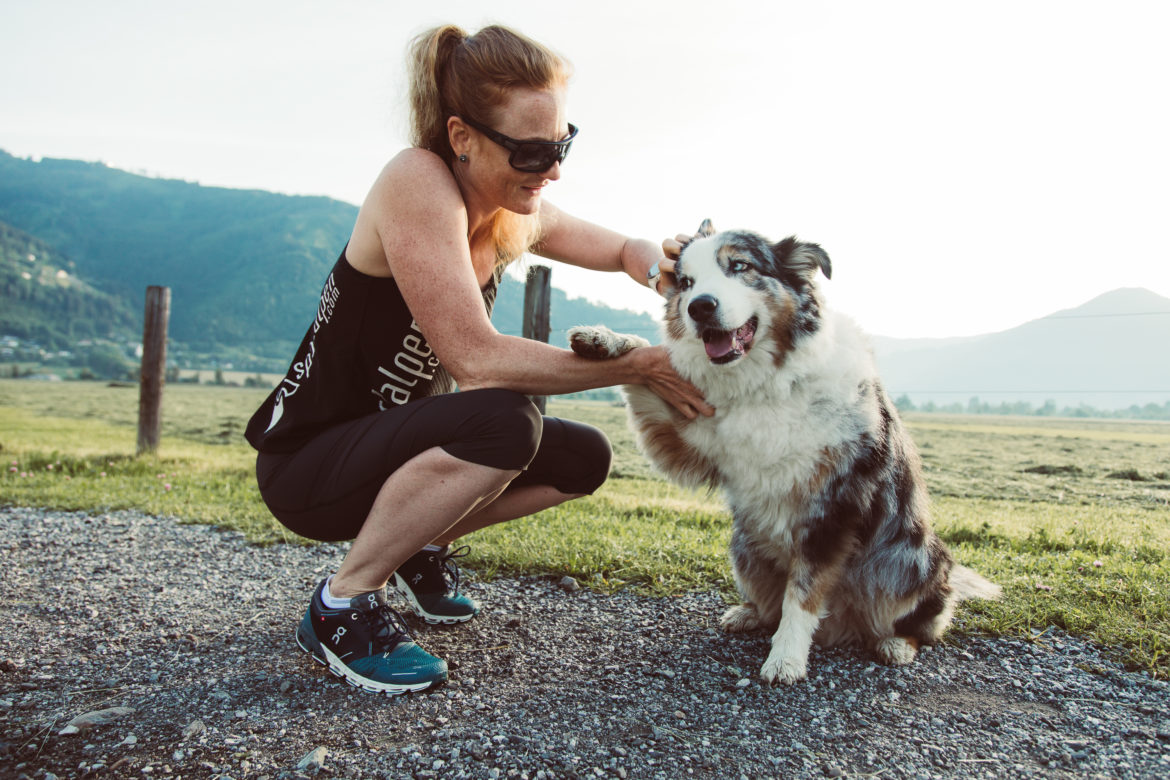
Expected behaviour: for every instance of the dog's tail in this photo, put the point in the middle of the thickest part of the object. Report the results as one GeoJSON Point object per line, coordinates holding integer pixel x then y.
{"type": "Point", "coordinates": [967, 584]}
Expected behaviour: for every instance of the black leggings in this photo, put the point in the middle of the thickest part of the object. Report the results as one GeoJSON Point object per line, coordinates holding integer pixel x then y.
{"type": "Point", "coordinates": [325, 489]}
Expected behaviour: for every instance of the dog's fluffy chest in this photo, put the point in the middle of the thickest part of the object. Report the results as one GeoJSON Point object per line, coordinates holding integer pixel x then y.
{"type": "Point", "coordinates": [773, 447]}
{"type": "Point", "coordinates": [769, 454]}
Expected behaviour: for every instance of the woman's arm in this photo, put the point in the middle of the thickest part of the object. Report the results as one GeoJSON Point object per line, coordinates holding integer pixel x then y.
{"type": "Point", "coordinates": [422, 225]}
{"type": "Point", "coordinates": [577, 242]}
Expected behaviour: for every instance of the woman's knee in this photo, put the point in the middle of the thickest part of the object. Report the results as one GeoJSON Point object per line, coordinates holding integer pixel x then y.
{"type": "Point", "coordinates": [596, 458]}
{"type": "Point", "coordinates": [502, 431]}
{"type": "Point", "coordinates": [574, 458]}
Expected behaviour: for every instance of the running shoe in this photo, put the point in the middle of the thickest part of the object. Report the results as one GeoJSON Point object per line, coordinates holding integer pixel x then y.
{"type": "Point", "coordinates": [368, 645]}
{"type": "Point", "coordinates": [429, 580]}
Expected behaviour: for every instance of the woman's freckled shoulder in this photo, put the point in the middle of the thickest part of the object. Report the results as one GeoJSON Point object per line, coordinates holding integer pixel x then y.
{"type": "Point", "coordinates": [411, 173]}
{"type": "Point", "coordinates": [415, 168]}
{"type": "Point", "coordinates": [416, 161]}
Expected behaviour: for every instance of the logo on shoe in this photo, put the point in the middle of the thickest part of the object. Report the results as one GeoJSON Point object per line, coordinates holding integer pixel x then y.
{"type": "Point", "coordinates": [338, 634]}
{"type": "Point", "coordinates": [416, 579]}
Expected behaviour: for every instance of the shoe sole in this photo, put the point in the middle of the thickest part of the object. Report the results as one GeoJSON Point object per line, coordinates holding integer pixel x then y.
{"type": "Point", "coordinates": [416, 608]}
{"type": "Point", "coordinates": [339, 669]}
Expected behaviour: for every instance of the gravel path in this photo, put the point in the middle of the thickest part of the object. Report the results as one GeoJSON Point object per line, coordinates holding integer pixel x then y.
{"type": "Point", "coordinates": [190, 631]}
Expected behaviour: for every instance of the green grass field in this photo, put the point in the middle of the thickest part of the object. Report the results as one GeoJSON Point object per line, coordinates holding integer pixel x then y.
{"type": "Point", "coordinates": [1072, 517]}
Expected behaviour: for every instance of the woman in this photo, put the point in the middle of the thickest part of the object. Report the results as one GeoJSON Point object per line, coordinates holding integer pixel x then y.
{"type": "Point", "coordinates": [364, 439]}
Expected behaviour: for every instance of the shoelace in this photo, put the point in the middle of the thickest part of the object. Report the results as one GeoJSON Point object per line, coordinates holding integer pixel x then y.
{"type": "Point", "coordinates": [450, 570]}
{"type": "Point", "coordinates": [389, 629]}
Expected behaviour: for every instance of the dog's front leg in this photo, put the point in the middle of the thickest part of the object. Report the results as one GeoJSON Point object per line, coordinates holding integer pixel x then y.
{"type": "Point", "coordinates": [759, 577]}
{"type": "Point", "coordinates": [805, 595]}
{"type": "Point", "coordinates": [788, 661]}
{"type": "Point", "coordinates": [598, 342]}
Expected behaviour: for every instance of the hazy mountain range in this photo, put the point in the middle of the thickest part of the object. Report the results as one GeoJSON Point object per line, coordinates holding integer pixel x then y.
{"type": "Point", "coordinates": [79, 243]}
{"type": "Point", "coordinates": [1110, 352]}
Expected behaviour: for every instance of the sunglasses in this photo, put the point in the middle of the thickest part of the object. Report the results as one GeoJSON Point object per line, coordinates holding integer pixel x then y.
{"type": "Point", "coordinates": [529, 156]}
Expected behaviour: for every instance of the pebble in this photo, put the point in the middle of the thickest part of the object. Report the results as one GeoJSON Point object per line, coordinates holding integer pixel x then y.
{"type": "Point", "coordinates": [88, 720]}
{"type": "Point", "coordinates": [613, 685]}
{"type": "Point", "coordinates": [193, 729]}
{"type": "Point", "coordinates": [314, 760]}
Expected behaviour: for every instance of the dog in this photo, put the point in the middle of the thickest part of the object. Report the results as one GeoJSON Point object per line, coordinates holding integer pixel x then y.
{"type": "Point", "coordinates": [831, 537]}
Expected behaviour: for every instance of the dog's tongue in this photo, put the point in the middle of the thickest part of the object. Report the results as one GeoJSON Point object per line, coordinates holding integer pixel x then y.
{"type": "Point", "coordinates": [721, 343]}
{"type": "Point", "coordinates": [718, 342]}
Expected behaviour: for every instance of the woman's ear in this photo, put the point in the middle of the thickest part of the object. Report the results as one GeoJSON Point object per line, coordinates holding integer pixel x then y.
{"type": "Point", "coordinates": [458, 135]}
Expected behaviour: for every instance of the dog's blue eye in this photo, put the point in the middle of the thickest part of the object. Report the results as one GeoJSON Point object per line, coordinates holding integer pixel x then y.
{"type": "Point", "coordinates": [683, 282]}
{"type": "Point", "coordinates": [738, 266]}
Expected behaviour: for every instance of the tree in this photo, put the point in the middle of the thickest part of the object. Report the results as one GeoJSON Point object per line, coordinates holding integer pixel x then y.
{"type": "Point", "coordinates": [107, 362]}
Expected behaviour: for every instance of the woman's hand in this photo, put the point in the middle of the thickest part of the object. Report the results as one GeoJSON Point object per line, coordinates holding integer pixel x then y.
{"type": "Point", "coordinates": [659, 376]}
{"type": "Point", "coordinates": [672, 248]}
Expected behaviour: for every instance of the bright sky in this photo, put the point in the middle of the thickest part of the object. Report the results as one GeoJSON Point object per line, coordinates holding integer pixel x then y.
{"type": "Point", "coordinates": [967, 166]}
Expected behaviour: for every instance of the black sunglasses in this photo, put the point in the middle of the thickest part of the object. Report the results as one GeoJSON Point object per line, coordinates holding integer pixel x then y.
{"type": "Point", "coordinates": [529, 156]}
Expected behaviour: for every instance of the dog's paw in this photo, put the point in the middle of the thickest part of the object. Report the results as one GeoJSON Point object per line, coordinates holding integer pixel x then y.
{"type": "Point", "coordinates": [897, 650]}
{"type": "Point", "coordinates": [598, 342]}
{"type": "Point", "coordinates": [787, 671]}
{"type": "Point", "coordinates": [740, 618]}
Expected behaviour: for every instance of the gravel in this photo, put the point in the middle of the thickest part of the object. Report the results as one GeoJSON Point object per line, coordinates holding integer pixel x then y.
{"type": "Point", "coordinates": [189, 631]}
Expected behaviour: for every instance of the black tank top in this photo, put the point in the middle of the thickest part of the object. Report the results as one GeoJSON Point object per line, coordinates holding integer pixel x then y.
{"type": "Point", "coordinates": [363, 353]}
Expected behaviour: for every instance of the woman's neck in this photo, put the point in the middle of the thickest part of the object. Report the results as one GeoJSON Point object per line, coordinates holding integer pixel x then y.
{"type": "Point", "coordinates": [479, 215]}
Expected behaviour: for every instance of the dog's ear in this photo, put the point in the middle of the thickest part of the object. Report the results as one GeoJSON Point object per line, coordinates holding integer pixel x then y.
{"type": "Point", "coordinates": [706, 230]}
{"type": "Point", "coordinates": [803, 257]}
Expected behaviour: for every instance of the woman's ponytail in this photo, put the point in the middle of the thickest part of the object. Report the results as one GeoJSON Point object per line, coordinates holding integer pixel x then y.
{"type": "Point", "coordinates": [430, 65]}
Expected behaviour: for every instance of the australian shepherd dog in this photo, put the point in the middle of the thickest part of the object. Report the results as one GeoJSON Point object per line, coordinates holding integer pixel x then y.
{"type": "Point", "coordinates": [831, 539]}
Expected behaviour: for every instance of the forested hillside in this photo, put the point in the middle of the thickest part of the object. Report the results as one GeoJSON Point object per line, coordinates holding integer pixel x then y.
{"type": "Point", "coordinates": [46, 302]}
{"type": "Point", "coordinates": [243, 266]}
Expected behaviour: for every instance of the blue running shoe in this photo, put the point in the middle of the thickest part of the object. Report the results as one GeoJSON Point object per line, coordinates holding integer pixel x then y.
{"type": "Point", "coordinates": [368, 645]}
{"type": "Point", "coordinates": [429, 580]}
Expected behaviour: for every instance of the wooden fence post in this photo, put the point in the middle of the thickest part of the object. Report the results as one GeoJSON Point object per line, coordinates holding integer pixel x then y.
{"type": "Point", "coordinates": [154, 367]}
{"type": "Point", "coordinates": [536, 309]}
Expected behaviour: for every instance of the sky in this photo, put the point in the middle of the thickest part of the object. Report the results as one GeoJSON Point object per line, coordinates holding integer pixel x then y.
{"type": "Point", "coordinates": [967, 166]}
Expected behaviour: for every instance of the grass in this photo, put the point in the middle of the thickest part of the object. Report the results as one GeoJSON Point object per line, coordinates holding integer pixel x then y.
{"type": "Point", "coordinates": [1072, 517]}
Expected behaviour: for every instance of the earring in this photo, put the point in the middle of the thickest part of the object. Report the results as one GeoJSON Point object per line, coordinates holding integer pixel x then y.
{"type": "Point", "coordinates": [462, 158]}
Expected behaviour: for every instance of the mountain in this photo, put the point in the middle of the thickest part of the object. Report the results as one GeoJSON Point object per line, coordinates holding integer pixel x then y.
{"type": "Point", "coordinates": [1108, 353]}
{"type": "Point", "coordinates": [45, 301]}
{"type": "Point", "coordinates": [245, 267]}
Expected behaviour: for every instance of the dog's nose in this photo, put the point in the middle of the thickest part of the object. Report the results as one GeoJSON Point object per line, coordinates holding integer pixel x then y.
{"type": "Point", "coordinates": [702, 308]}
